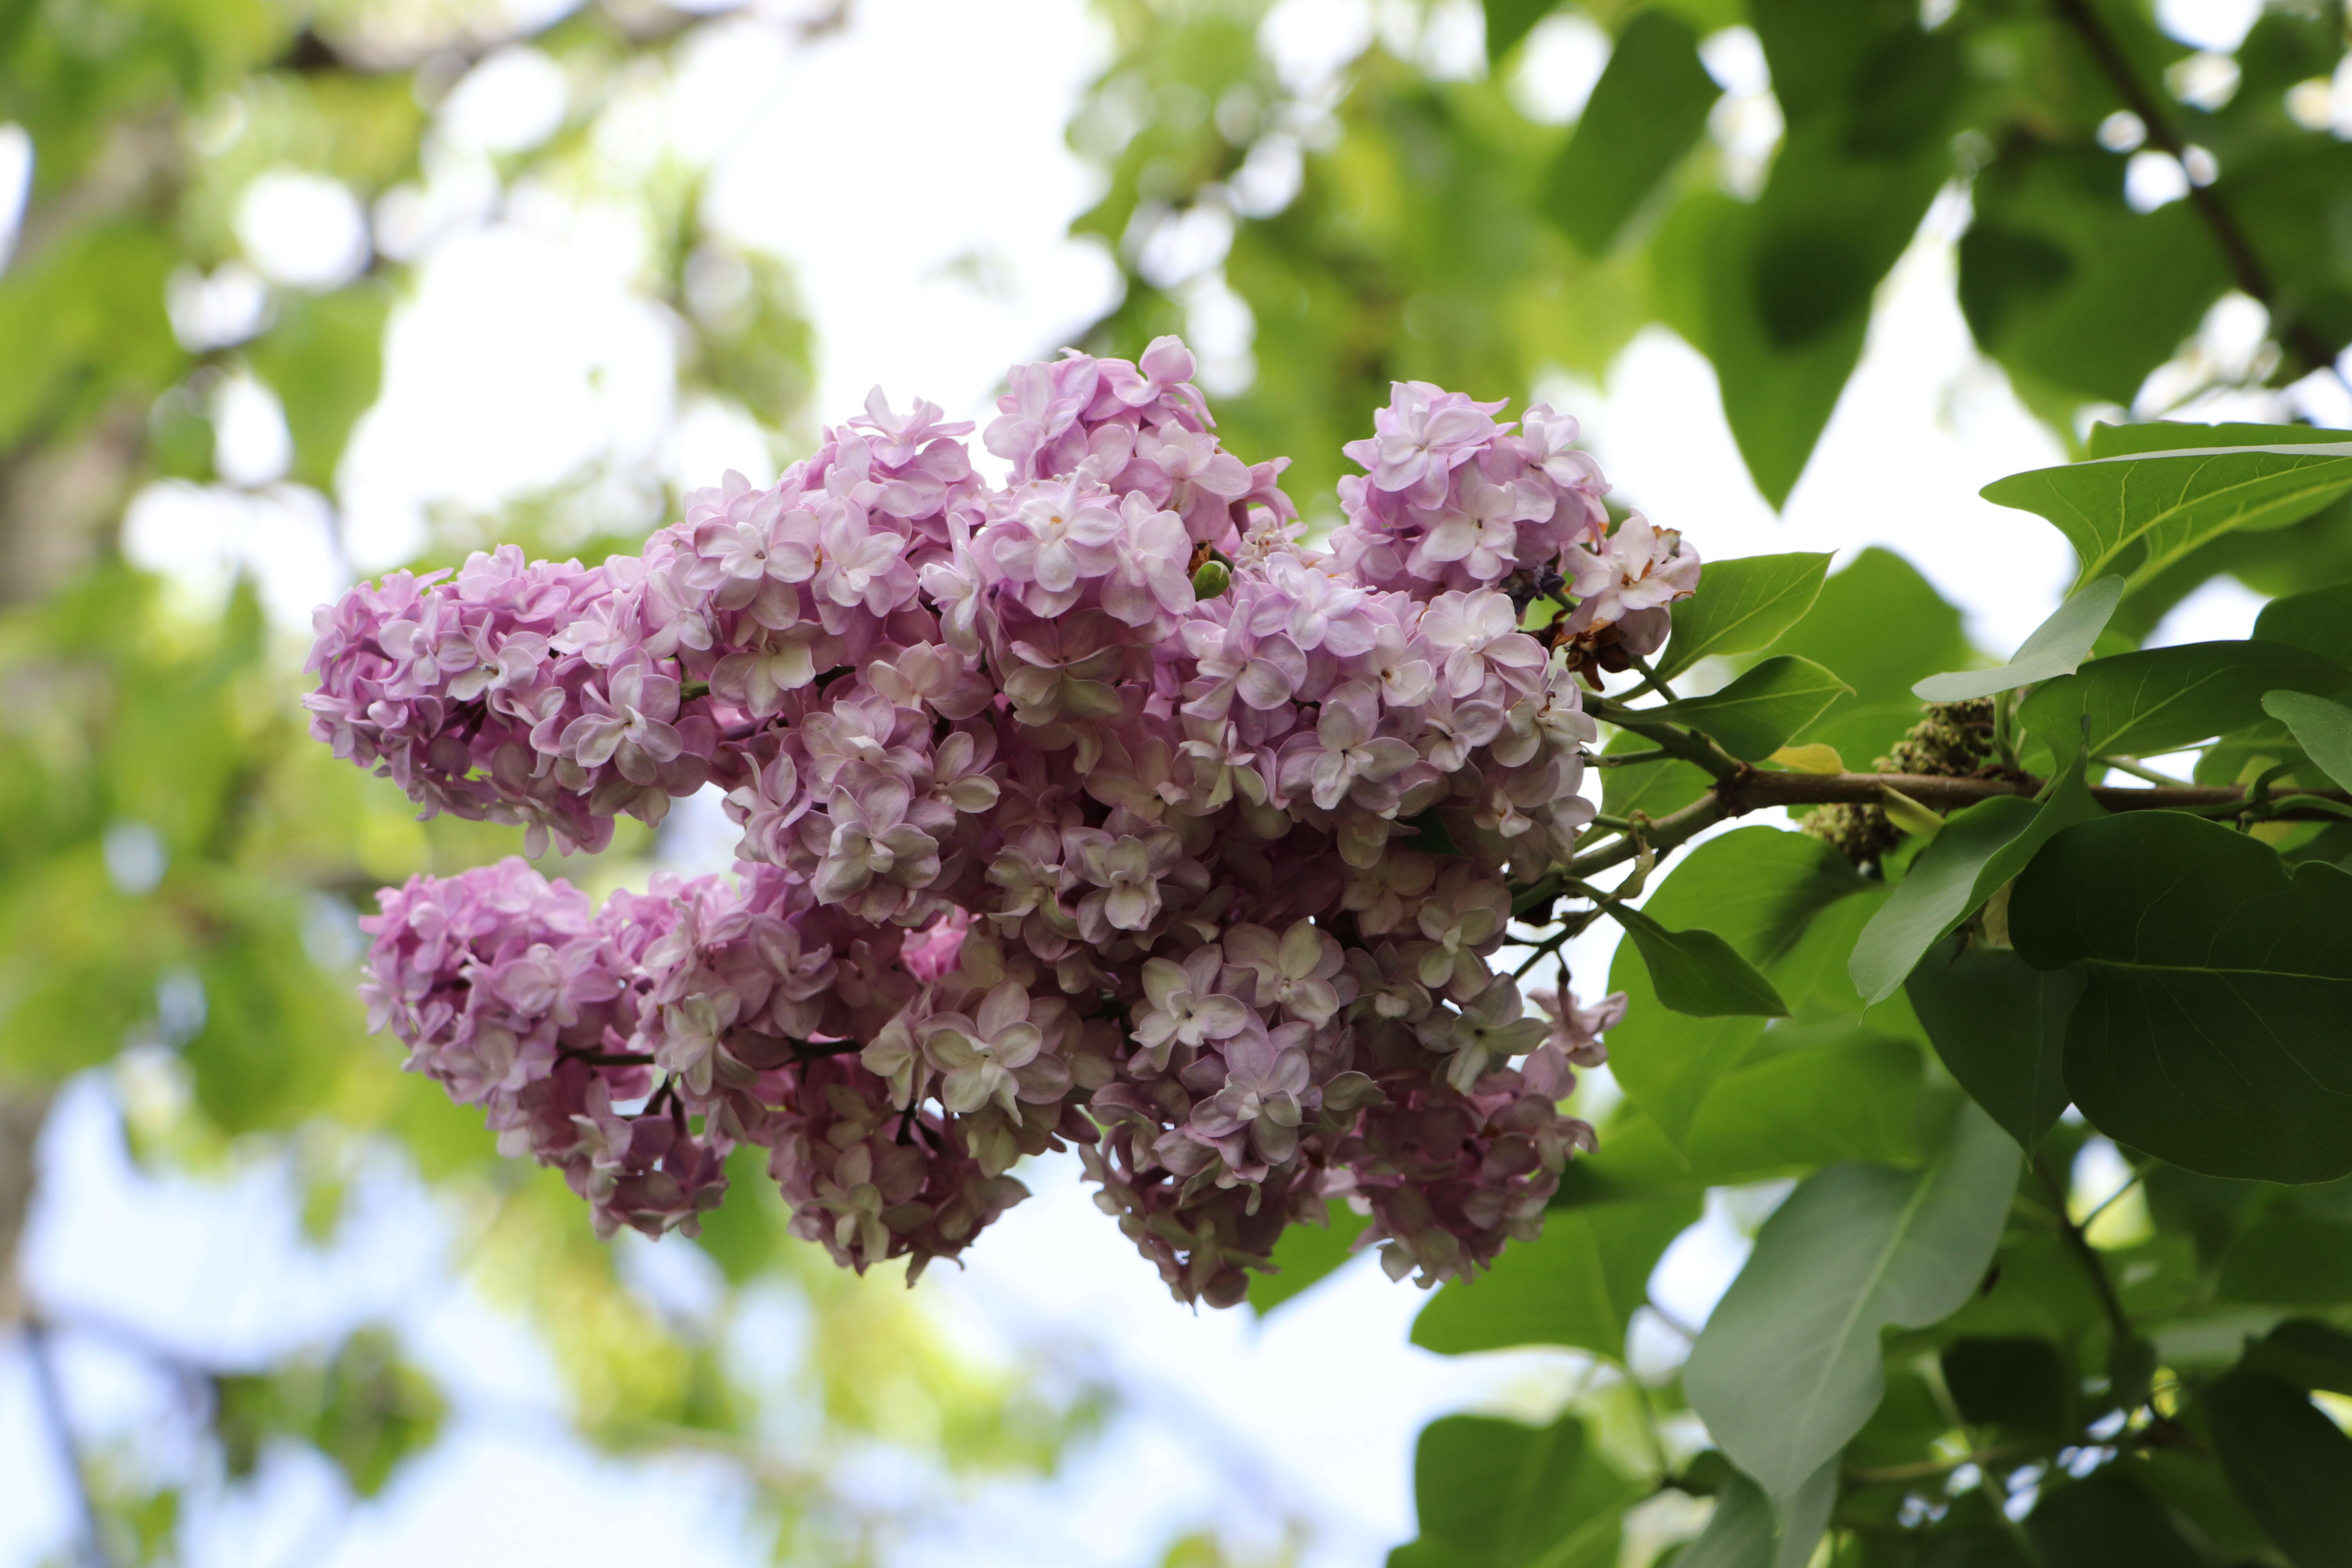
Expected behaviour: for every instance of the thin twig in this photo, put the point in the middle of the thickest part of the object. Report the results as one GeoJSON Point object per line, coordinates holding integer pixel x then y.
{"type": "Point", "coordinates": [2138, 771]}
{"type": "Point", "coordinates": [1927, 1470]}
{"type": "Point", "coordinates": [2245, 266]}
{"type": "Point", "coordinates": [2110, 1201]}
{"type": "Point", "coordinates": [2080, 1245]}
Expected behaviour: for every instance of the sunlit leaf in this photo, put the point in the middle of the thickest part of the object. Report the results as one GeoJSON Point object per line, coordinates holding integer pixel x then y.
{"type": "Point", "coordinates": [1743, 605]}
{"type": "Point", "coordinates": [2159, 700]}
{"type": "Point", "coordinates": [1757, 888]}
{"type": "Point", "coordinates": [2139, 513]}
{"type": "Point", "coordinates": [1756, 714]}
{"type": "Point", "coordinates": [1305, 1255]}
{"type": "Point", "coordinates": [2058, 646]}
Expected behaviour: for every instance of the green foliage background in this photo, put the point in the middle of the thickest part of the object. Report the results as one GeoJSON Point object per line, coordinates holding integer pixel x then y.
{"type": "Point", "coordinates": [215, 982]}
{"type": "Point", "coordinates": [1938, 1355]}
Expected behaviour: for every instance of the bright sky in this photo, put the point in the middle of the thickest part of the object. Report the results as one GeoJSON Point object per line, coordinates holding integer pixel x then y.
{"type": "Point", "coordinates": [912, 169]}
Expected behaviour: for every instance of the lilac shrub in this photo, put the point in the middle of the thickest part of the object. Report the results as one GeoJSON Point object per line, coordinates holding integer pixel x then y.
{"type": "Point", "coordinates": [1095, 808]}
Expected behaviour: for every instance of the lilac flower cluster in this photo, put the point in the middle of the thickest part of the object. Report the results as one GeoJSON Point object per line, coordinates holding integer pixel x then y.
{"type": "Point", "coordinates": [1094, 808]}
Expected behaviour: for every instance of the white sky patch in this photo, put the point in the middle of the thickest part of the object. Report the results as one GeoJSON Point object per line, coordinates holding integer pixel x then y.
{"type": "Point", "coordinates": [522, 357]}
{"type": "Point", "coordinates": [1559, 65]}
{"type": "Point", "coordinates": [302, 229]}
{"type": "Point", "coordinates": [924, 206]}
{"type": "Point", "coordinates": [202, 536]}
{"type": "Point", "coordinates": [15, 183]}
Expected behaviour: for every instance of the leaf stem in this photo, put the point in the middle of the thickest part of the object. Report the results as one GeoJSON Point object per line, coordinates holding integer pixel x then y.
{"type": "Point", "coordinates": [1650, 681]}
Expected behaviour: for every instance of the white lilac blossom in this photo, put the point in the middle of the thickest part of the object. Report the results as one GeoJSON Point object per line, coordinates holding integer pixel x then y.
{"type": "Point", "coordinates": [1040, 847]}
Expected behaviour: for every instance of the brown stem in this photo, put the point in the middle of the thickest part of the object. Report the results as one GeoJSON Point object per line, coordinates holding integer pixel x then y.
{"type": "Point", "coordinates": [2246, 266]}
{"type": "Point", "coordinates": [1749, 789]}
{"type": "Point", "coordinates": [1755, 791]}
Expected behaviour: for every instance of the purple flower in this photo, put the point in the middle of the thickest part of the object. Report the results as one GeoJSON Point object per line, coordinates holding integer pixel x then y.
{"type": "Point", "coordinates": [1182, 1007]}
{"type": "Point", "coordinates": [1423, 433]}
{"type": "Point", "coordinates": [1267, 1079]}
{"type": "Point", "coordinates": [627, 722]}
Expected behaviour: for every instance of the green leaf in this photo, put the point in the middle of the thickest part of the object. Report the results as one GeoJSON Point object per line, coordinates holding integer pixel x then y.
{"type": "Point", "coordinates": [2288, 1260]}
{"type": "Point", "coordinates": [1882, 626]}
{"type": "Point", "coordinates": [1758, 888]}
{"type": "Point", "coordinates": [2018, 1388]}
{"type": "Point", "coordinates": [1577, 1284]}
{"type": "Point", "coordinates": [2139, 514]}
{"type": "Point", "coordinates": [2105, 1521]}
{"type": "Point", "coordinates": [1747, 1531]}
{"type": "Point", "coordinates": [2288, 1464]}
{"type": "Point", "coordinates": [2058, 646]}
{"type": "Point", "coordinates": [1303, 1254]}
{"type": "Point", "coordinates": [1976, 850]}
{"type": "Point", "coordinates": [1657, 788]}
{"type": "Point", "coordinates": [324, 358]}
{"type": "Point", "coordinates": [1754, 715]}
{"type": "Point", "coordinates": [2174, 436]}
{"type": "Point", "coordinates": [1646, 112]}
{"type": "Point", "coordinates": [2160, 700]}
{"type": "Point", "coordinates": [2215, 1029]}
{"type": "Point", "coordinates": [1789, 1367]}
{"type": "Point", "coordinates": [2069, 287]}
{"type": "Point", "coordinates": [1495, 1494]}
{"type": "Point", "coordinates": [1509, 21]}
{"type": "Point", "coordinates": [1777, 398]}
{"type": "Point", "coordinates": [2000, 1026]}
{"type": "Point", "coordinates": [1782, 1114]}
{"type": "Point", "coordinates": [2322, 728]}
{"type": "Point", "coordinates": [2304, 1353]}
{"type": "Point", "coordinates": [1743, 606]}
{"type": "Point", "coordinates": [1698, 973]}
{"type": "Point", "coordinates": [2320, 620]}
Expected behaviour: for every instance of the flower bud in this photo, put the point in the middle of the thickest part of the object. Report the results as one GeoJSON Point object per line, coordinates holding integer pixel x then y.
{"type": "Point", "coordinates": [1213, 579]}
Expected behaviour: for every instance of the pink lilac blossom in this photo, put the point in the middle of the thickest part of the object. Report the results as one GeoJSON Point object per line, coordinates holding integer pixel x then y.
{"type": "Point", "coordinates": [1040, 847]}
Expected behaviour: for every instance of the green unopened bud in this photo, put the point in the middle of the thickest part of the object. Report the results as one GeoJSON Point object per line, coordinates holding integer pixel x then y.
{"type": "Point", "coordinates": [1213, 579]}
